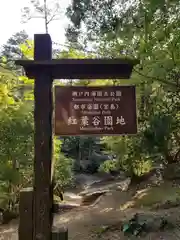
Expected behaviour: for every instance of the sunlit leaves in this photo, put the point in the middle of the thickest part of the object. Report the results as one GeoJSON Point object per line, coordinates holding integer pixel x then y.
{"type": "Point", "coordinates": [26, 80]}
{"type": "Point", "coordinates": [3, 59]}
{"type": "Point", "coordinates": [27, 49]}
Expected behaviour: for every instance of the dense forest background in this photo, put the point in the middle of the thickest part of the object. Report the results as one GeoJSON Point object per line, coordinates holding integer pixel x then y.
{"type": "Point", "coordinates": [148, 30]}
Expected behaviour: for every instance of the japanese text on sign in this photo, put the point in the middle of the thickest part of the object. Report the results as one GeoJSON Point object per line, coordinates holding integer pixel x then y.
{"type": "Point", "coordinates": [95, 110]}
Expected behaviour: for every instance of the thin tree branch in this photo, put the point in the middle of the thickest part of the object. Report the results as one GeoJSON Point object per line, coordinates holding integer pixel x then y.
{"type": "Point", "coordinates": [52, 16]}
{"type": "Point", "coordinates": [45, 16]}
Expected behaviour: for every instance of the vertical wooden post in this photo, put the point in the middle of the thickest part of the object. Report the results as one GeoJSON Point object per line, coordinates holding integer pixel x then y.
{"type": "Point", "coordinates": [59, 234]}
{"type": "Point", "coordinates": [42, 217]}
{"type": "Point", "coordinates": [26, 214]}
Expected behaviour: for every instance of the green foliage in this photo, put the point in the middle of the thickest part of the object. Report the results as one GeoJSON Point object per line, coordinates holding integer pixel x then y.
{"type": "Point", "coordinates": [129, 155]}
{"type": "Point", "coordinates": [63, 171]}
{"type": "Point", "coordinates": [16, 136]}
{"type": "Point", "coordinates": [62, 165]}
{"type": "Point", "coordinates": [108, 166]}
{"type": "Point", "coordinates": [11, 50]}
{"type": "Point", "coordinates": [135, 30]}
{"type": "Point", "coordinates": [16, 153]}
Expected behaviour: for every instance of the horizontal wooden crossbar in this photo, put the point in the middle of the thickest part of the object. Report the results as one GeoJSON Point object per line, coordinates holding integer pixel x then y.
{"type": "Point", "coordinates": [80, 68]}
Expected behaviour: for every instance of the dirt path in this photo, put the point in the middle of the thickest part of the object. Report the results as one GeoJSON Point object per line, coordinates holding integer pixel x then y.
{"type": "Point", "coordinates": [83, 220]}
{"type": "Point", "coordinates": [86, 222]}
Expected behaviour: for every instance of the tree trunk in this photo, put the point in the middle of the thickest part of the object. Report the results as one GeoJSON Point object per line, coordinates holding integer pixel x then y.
{"type": "Point", "coordinates": [45, 16]}
{"type": "Point", "coordinates": [90, 149]}
{"type": "Point", "coordinates": [169, 158]}
{"type": "Point", "coordinates": [142, 104]}
{"type": "Point", "coordinates": [78, 154]}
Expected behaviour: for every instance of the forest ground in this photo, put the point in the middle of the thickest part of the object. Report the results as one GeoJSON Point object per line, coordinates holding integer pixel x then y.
{"type": "Point", "coordinates": [103, 218]}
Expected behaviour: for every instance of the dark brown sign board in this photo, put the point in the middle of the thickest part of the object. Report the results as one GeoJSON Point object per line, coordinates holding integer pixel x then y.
{"type": "Point", "coordinates": [105, 110]}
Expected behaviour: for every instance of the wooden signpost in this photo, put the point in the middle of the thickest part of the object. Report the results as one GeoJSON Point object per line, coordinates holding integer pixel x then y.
{"type": "Point", "coordinates": [43, 69]}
